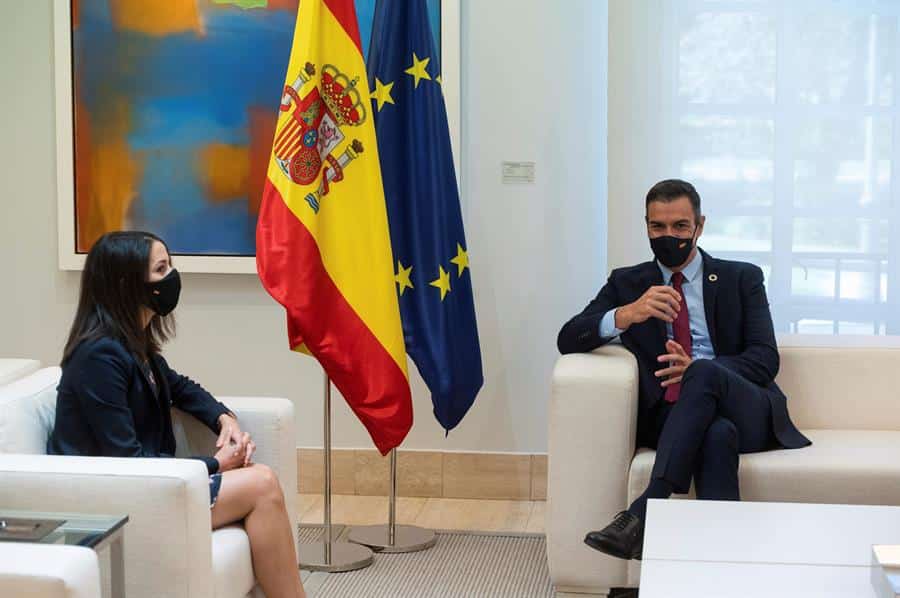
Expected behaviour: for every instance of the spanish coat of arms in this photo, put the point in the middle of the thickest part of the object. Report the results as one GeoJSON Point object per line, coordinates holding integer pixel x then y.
{"type": "Point", "coordinates": [305, 142]}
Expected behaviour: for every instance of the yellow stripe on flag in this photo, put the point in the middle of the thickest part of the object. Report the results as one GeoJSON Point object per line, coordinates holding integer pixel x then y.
{"type": "Point", "coordinates": [351, 227]}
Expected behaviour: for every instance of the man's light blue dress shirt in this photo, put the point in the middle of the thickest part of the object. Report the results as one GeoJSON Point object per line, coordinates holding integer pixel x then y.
{"type": "Point", "coordinates": [692, 287]}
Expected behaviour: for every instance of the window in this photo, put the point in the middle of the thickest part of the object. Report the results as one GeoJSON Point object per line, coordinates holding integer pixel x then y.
{"type": "Point", "coordinates": [785, 117]}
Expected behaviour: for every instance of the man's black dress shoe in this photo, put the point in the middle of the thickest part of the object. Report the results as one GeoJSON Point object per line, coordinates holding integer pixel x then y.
{"type": "Point", "coordinates": [623, 538]}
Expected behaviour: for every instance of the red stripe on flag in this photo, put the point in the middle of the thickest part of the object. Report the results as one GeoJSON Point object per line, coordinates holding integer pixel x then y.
{"type": "Point", "coordinates": [289, 148]}
{"type": "Point", "coordinates": [284, 131]}
{"type": "Point", "coordinates": [345, 14]}
{"type": "Point", "coordinates": [291, 269]}
{"type": "Point", "coordinates": [292, 148]}
{"type": "Point", "coordinates": [295, 138]}
{"type": "Point", "coordinates": [287, 133]}
{"type": "Point", "coordinates": [279, 137]}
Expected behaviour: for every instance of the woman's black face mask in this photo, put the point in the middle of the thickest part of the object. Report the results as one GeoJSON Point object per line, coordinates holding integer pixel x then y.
{"type": "Point", "coordinates": [163, 294]}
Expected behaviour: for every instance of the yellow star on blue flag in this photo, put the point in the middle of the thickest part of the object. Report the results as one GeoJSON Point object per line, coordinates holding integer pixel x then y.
{"type": "Point", "coordinates": [417, 70]}
{"type": "Point", "coordinates": [402, 277]}
{"type": "Point", "coordinates": [442, 282]}
{"type": "Point", "coordinates": [461, 260]}
{"type": "Point", "coordinates": [382, 93]}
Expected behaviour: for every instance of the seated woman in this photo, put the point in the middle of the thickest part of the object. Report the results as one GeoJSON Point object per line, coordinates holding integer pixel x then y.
{"type": "Point", "coordinates": [116, 390]}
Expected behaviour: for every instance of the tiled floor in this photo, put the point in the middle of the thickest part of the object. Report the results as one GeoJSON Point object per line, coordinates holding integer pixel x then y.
{"type": "Point", "coordinates": [431, 513]}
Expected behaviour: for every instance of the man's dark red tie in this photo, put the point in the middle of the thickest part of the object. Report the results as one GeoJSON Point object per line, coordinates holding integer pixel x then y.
{"type": "Point", "coordinates": [681, 330]}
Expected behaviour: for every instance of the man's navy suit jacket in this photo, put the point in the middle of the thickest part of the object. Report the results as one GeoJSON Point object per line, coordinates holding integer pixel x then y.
{"type": "Point", "coordinates": [739, 322]}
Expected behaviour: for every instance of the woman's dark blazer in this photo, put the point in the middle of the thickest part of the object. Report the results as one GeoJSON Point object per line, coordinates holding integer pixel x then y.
{"type": "Point", "coordinates": [106, 407]}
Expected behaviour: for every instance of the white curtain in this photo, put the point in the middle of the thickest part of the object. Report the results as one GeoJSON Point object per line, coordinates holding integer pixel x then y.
{"type": "Point", "coordinates": [785, 116]}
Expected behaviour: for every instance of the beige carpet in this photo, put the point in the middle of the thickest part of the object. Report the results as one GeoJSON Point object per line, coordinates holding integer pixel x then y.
{"type": "Point", "coordinates": [460, 565]}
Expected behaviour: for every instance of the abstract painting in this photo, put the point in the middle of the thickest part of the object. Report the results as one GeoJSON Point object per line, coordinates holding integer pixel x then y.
{"type": "Point", "coordinates": [174, 110]}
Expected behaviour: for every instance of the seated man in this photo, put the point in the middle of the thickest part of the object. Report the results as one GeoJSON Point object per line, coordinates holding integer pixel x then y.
{"type": "Point", "coordinates": [702, 334]}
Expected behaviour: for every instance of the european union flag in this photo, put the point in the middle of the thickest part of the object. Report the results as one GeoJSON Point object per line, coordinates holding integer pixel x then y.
{"type": "Point", "coordinates": [432, 270]}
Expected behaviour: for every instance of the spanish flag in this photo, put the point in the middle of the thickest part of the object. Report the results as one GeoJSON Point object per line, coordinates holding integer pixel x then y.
{"type": "Point", "coordinates": [323, 246]}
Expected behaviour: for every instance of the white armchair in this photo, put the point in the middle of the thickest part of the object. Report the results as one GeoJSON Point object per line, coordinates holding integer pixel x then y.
{"type": "Point", "coordinates": [48, 571]}
{"type": "Point", "coordinates": [13, 369]}
{"type": "Point", "coordinates": [170, 549]}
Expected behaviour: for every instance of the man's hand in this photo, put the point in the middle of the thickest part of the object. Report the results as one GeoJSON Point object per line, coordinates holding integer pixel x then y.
{"type": "Point", "coordinates": [661, 302]}
{"type": "Point", "coordinates": [678, 361]}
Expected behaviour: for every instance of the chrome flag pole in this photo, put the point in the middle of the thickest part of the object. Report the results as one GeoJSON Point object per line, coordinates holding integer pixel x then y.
{"type": "Point", "coordinates": [328, 555]}
{"type": "Point", "coordinates": [392, 537]}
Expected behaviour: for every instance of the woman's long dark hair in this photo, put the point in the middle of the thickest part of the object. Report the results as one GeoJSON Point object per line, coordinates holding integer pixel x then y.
{"type": "Point", "coordinates": [113, 290]}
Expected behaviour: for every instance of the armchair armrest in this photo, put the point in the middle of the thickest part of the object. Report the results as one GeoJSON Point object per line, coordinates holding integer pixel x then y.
{"type": "Point", "coordinates": [591, 442]}
{"type": "Point", "coordinates": [168, 548]}
{"type": "Point", "coordinates": [270, 421]}
{"type": "Point", "coordinates": [48, 571]}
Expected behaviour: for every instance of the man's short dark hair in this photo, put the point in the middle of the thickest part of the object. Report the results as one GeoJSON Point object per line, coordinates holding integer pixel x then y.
{"type": "Point", "coordinates": [670, 190]}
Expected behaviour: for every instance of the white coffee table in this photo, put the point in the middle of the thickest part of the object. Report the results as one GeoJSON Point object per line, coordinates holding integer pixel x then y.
{"type": "Point", "coordinates": [747, 550]}
{"type": "Point", "coordinates": [886, 571]}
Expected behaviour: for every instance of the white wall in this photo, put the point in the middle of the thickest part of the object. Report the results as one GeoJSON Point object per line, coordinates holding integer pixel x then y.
{"type": "Point", "coordinates": [636, 119]}
{"type": "Point", "coordinates": [533, 89]}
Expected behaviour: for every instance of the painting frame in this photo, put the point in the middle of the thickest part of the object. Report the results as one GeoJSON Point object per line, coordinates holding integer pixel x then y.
{"type": "Point", "coordinates": [71, 259]}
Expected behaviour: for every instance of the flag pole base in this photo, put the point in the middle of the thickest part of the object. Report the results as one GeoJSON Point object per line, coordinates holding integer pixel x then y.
{"type": "Point", "coordinates": [344, 557]}
{"type": "Point", "coordinates": [407, 538]}
{"type": "Point", "coordinates": [328, 555]}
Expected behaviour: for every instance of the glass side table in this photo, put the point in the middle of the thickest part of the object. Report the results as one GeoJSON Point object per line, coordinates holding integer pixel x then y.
{"type": "Point", "coordinates": [93, 531]}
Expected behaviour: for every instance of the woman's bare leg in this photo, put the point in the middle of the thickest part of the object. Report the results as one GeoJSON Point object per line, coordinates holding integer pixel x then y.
{"type": "Point", "coordinates": [254, 495]}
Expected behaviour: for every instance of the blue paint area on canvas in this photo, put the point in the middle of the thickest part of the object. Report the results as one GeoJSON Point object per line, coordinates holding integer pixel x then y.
{"type": "Point", "coordinates": [233, 66]}
{"type": "Point", "coordinates": [169, 188]}
{"type": "Point", "coordinates": [234, 232]}
{"type": "Point", "coordinates": [434, 18]}
{"type": "Point", "coordinates": [95, 13]}
{"type": "Point", "coordinates": [173, 205]}
{"type": "Point", "coordinates": [209, 83]}
{"type": "Point", "coordinates": [160, 122]}
{"type": "Point", "coordinates": [103, 62]}
{"type": "Point", "coordinates": [365, 14]}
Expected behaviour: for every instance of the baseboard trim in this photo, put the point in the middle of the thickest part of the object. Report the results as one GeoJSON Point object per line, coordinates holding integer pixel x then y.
{"type": "Point", "coordinates": [575, 591]}
{"type": "Point", "coordinates": [430, 474]}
